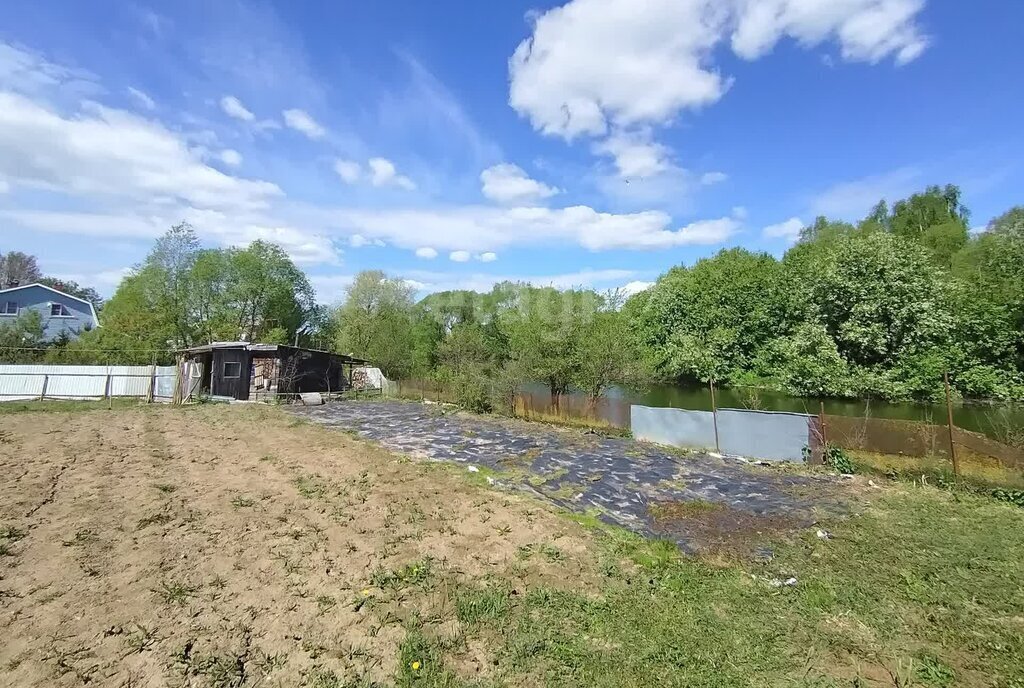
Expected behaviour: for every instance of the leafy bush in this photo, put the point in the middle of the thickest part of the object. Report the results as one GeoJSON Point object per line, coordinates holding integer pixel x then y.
{"type": "Point", "coordinates": [838, 459]}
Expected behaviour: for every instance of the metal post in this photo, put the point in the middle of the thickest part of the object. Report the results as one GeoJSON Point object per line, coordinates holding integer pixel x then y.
{"type": "Point", "coordinates": [824, 433]}
{"type": "Point", "coordinates": [110, 393]}
{"type": "Point", "coordinates": [714, 415]}
{"type": "Point", "coordinates": [42, 394]}
{"type": "Point", "coordinates": [949, 422]}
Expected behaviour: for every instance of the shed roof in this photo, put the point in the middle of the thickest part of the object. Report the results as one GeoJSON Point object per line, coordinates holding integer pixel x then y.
{"type": "Point", "coordinates": [256, 346]}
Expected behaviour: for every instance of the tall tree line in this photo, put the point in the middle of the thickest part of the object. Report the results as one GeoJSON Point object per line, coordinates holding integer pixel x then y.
{"type": "Point", "coordinates": [878, 309]}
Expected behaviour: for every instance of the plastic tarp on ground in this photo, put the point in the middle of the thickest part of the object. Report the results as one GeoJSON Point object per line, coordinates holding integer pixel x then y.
{"type": "Point", "coordinates": [766, 435]}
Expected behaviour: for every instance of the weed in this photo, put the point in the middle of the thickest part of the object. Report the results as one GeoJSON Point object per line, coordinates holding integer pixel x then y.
{"type": "Point", "coordinates": [325, 603]}
{"type": "Point", "coordinates": [311, 486]}
{"type": "Point", "coordinates": [155, 520]}
{"type": "Point", "coordinates": [141, 640]}
{"type": "Point", "coordinates": [166, 488]}
{"type": "Point", "coordinates": [242, 502]}
{"type": "Point", "coordinates": [12, 533]}
{"type": "Point", "coordinates": [176, 592]}
{"type": "Point", "coordinates": [83, 536]}
{"type": "Point", "coordinates": [415, 573]}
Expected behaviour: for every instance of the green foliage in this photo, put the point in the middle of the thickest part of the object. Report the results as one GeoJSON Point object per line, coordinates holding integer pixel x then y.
{"type": "Point", "coordinates": [880, 309]}
{"type": "Point", "coordinates": [705, 322]}
{"type": "Point", "coordinates": [837, 458]}
{"type": "Point", "coordinates": [376, 322]}
{"type": "Point", "coordinates": [183, 295]}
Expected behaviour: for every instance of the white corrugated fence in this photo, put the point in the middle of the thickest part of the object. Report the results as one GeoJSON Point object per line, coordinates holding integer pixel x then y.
{"type": "Point", "coordinates": [21, 382]}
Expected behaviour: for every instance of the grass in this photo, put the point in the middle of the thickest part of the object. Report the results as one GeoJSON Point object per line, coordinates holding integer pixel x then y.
{"type": "Point", "coordinates": [974, 473]}
{"type": "Point", "coordinates": [921, 589]}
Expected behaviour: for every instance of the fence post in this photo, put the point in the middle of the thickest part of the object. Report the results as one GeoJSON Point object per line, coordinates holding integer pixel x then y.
{"type": "Point", "coordinates": [110, 393]}
{"type": "Point", "coordinates": [42, 394]}
{"type": "Point", "coordinates": [949, 423]}
{"type": "Point", "coordinates": [714, 414]}
{"type": "Point", "coordinates": [824, 432]}
{"type": "Point", "coordinates": [176, 393]}
{"type": "Point", "coordinates": [152, 384]}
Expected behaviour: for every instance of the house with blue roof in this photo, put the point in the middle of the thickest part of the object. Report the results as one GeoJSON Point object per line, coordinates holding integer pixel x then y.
{"type": "Point", "coordinates": [63, 315]}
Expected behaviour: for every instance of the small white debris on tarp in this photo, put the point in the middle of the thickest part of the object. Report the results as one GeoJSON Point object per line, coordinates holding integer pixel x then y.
{"type": "Point", "coordinates": [824, 535]}
{"type": "Point", "coordinates": [312, 399]}
{"type": "Point", "coordinates": [473, 469]}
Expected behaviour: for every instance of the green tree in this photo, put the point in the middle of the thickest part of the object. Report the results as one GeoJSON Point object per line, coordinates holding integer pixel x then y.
{"type": "Point", "coordinates": [268, 295]}
{"type": "Point", "coordinates": [708, 321]}
{"type": "Point", "coordinates": [376, 322]}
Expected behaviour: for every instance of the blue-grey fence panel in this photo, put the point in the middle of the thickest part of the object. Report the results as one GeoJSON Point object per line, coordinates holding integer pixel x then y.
{"type": "Point", "coordinates": [767, 435]}
{"type": "Point", "coordinates": [674, 427]}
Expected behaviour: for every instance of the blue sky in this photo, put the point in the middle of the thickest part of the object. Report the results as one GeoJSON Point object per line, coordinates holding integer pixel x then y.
{"type": "Point", "coordinates": [589, 143]}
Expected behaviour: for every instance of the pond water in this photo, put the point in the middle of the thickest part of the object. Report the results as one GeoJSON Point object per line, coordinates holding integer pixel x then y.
{"type": "Point", "coordinates": [987, 418]}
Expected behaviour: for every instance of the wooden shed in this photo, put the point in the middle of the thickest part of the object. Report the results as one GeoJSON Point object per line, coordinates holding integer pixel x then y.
{"type": "Point", "coordinates": [253, 372]}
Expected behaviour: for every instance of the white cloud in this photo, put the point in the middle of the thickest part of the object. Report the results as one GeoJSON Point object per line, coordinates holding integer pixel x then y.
{"type": "Point", "coordinates": [635, 287]}
{"type": "Point", "coordinates": [788, 230]}
{"type": "Point", "coordinates": [866, 30]}
{"type": "Point", "coordinates": [28, 72]}
{"type": "Point", "coordinates": [635, 154]}
{"type": "Point", "coordinates": [230, 157]}
{"type": "Point", "coordinates": [852, 200]}
{"type": "Point", "coordinates": [429, 281]}
{"type": "Point", "coordinates": [594, 62]}
{"type": "Point", "coordinates": [600, 67]}
{"type": "Point", "coordinates": [383, 173]}
{"type": "Point", "coordinates": [508, 183]}
{"type": "Point", "coordinates": [476, 228]}
{"type": "Point", "coordinates": [303, 122]}
{"type": "Point", "coordinates": [233, 107]}
{"type": "Point", "coordinates": [709, 178]}
{"type": "Point", "coordinates": [459, 256]}
{"type": "Point", "coordinates": [143, 99]}
{"type": "Point", "coordinates": [116, 153]}
{"type": "Point", "coordinates": [426, 252]}
{"type": "Point", "coordinates": [487, 257]}
{"type": "Point", "coordinates": [349, 170]}
{"type": "Point", "coordinates": [330, 289]}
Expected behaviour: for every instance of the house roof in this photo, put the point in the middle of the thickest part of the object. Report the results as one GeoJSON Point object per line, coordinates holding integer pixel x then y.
{"type": "Point", "coordinates": [92, 308]}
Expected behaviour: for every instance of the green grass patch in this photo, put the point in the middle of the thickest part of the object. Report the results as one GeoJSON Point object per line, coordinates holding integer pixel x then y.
{"type": "Point", "coordinates": [923, 588]}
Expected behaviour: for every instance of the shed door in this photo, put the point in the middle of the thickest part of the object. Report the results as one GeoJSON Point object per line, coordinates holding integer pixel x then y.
{"type": "Point", "coordinates": [230, 374]}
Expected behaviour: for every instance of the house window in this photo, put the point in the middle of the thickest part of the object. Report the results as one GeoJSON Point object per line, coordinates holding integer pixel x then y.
{"type": "Point", "coordinates": [10, 308]}
{"type": "Point", "coordinates": [232, 369]}
{"type": "Point", "coordinates": [58, 310]}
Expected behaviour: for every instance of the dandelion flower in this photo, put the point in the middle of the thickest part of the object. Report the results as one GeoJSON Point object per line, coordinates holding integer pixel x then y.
{"type": "Point", "coordinates": [366, 592]}
{"type": "Point", "coordinates": [415, 666]}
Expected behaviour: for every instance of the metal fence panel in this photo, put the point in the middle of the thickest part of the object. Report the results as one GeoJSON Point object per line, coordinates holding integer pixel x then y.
{"type": "Point", "coordinates": [674, 427]}
{"type": "Point", "coordinates": [85, 382]}
{"type": "Point", "coordinates": [768, 435]}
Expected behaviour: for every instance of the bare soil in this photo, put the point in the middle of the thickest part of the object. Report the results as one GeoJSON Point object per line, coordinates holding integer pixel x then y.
{"type": "Point", "coordinates": [239, 546]}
